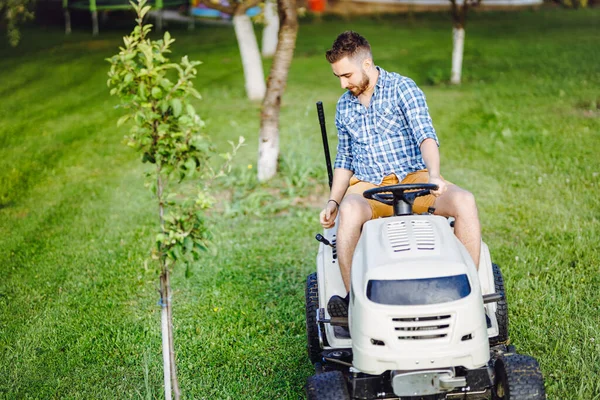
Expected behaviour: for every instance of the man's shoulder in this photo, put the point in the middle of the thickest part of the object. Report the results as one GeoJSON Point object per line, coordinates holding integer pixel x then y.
{"type": "Point", "coordinates": [344, 98]}
{"type": "Point", "coordinates": [397, 81]}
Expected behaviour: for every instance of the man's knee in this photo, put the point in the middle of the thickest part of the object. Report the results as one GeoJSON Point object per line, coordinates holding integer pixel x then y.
{"type": "Point", "coordinates": [456, 202]}
{"type": "Point", "coordinates": [465, 197]}
{"type": "Point", "coordinates": [464, 202]}
{"type": "Point", "coordinates": [355, 208]}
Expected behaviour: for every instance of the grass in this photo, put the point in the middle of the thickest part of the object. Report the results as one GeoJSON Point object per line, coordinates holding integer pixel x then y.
{"type": "Point", "coordinates": [78, 312]}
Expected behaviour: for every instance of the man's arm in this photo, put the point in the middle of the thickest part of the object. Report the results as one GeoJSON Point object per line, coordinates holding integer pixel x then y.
{"type": "Point", "coordinates": [414, 106]}
{"type": "Point", "coordinates": [341, 181]}
{"type": "Point", "coordinates": [341, 174]}
{"type": "Point", "coordinates": [431, 156]}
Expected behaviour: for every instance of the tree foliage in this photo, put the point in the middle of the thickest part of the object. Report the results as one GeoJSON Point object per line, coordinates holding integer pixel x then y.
{"type": "Point", "coordinates": [574, 3]}
{"type": "Point", "coordinates": [15, 12]}
{"type": "Point", "coordinates": [235, 7]}
{"type": "Point", "coordinates": [167, 131]}
{"type": "Point", "coordinates": [459, 11]}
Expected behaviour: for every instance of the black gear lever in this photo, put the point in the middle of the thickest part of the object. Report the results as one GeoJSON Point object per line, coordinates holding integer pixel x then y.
{"type": "Point", "coordinates": [321, 239]}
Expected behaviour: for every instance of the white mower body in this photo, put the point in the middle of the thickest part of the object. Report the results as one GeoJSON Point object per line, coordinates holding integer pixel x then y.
{"type": "Point", "coordinates": [416, 300]}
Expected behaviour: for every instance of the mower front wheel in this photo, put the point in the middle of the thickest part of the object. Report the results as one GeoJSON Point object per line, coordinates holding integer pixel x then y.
{"type": "Point", "coordinates": [327, 386]}
{"type": "Point", "coordinates": [518, 377]}
{"type": "Point", "coordinates": [501, 309]}
{"type": "Point", "coordinates": [312, 306]}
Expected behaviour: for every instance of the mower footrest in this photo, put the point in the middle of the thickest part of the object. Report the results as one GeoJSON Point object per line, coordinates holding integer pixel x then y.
{"type": "Point", "coordinates": [334, 321]}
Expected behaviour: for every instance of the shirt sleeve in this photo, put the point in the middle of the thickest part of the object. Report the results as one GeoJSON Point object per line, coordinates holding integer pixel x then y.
{"type": "Point", "coordinates": [343, 158]}
{"type": "Point", "coordinates": [413, 105]}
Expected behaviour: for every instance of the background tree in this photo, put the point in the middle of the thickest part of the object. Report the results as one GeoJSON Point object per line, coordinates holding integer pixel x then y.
{"type": "Point", "coordinates": [575, 3]}
{"type": "Point", "coordinates": [167, 132]}
{"type": "Point", "coordinates": [14, 12]}
{"type": "Point", "coordinates": [268, 148]}
{"type": "Point", "coordinates": [244, 31]}
{"type": "Point", "coordinates": [459, 20]}
{"type": "Point", "coordinates": [271, 30]}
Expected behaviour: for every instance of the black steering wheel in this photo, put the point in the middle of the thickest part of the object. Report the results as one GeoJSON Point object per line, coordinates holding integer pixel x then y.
{"type": "Point", "coordinates": [401, 196]}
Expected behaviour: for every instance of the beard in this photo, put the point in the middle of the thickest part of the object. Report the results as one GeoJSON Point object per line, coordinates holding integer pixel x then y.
{"type": "Point", "coordinates": [361, 87]}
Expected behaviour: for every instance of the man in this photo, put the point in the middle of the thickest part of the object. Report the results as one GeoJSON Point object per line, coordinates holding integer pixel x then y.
{"type": "Point", "coordinates": [385, 137]}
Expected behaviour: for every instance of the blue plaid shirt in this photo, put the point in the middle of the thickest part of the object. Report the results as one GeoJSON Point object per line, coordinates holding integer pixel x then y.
{"type": "Point", "coordinates": [384, 138]}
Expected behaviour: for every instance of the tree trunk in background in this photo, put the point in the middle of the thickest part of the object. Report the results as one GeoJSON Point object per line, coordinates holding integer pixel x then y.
{"type": "Point", "coordinates": [268, 147]}
{"type": "Point", "coordinates": [95, 23]}
{"type": "Point", "coordinates": [251, 61]}
{"type": "Point", "coordinates": [458, 42]}
{"type": "Point", "coordinates": [271, 30]}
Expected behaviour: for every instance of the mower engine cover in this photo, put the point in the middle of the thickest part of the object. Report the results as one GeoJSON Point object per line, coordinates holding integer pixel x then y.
{"type": "Point", "coordinates": [416, 301]}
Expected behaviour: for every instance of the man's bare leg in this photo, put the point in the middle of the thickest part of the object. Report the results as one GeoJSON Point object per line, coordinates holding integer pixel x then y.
{"type": "Point", "coordinates": [354, 212]}
{"type": "Point", "coordinates": [460, 204]}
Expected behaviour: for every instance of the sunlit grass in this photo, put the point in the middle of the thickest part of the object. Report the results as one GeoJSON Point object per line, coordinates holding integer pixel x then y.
{"type": "Point", "coordinates": [78, 312]}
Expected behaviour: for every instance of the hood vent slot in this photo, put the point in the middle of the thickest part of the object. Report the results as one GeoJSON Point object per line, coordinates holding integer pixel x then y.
{"type": "Point", "coordinates": [398, 236]}
{"type": "Point", "coordinates": [424, 234]}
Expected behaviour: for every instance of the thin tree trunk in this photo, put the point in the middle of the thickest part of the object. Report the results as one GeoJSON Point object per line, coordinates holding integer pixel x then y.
{"type": "Point", "coordinates": [169, 367]}
{"type": "Point", "coordinates": [95, 23]}
{"type": "Point", "coordinates": [164, 325]}
{"type": "Point", "coordinates": [251, 61]}
{"type": "Point", "coordinates": [173, 371]}
{"type": "Point", "coordinates": [67, 22]}
{"type": "Point", "coordinates": [271, 30]}
{"type": "Point", "coordinates": [268, 147]}
{"type": "Point", "coordinates": [458, 41]}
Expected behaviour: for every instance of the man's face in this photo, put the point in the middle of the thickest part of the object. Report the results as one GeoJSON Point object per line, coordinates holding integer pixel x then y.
{"type": "Point", "coordinates": [352, 75]}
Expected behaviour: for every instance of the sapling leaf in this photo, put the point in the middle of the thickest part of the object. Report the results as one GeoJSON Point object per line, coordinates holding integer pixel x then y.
{"type": "Point", "coordinates": [176, 105]}
{"type": "Point", "coordinates": [123, 119]}
{"type": "Point", "coordinates": [190, 165]}
{"type": "Point", "coordinates": [188, 244]}
{"type": "Point", "coordinates": [195, 93]}
{"type": "Point", "coordinates": [201, 246]}
{"type": "Point", "coordinates": [145, 10]}
{"type": "Point", "coordinates": [164, 107]}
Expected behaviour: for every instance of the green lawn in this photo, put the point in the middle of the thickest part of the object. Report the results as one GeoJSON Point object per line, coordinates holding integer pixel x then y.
{"type": "Point", "coordinates": [78, 297]}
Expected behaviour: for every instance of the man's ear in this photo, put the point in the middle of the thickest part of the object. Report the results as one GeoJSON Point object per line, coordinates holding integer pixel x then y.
{"type": "Point", "coordinates": [367, 64]}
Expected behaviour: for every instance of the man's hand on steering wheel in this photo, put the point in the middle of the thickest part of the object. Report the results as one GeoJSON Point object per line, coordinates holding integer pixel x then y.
{"type": "Point", "coordinates": [442, 185]}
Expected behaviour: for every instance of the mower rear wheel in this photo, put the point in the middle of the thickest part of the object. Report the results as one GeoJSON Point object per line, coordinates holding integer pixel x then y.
{"type": "Point", "coordinates": [501, 309]}
{"type": "Point", "coordinates": [518, 377]}
{"type": "Point", "coordinates": [312, 305]}
{"type": "Point", "coordinates": [327, 386]}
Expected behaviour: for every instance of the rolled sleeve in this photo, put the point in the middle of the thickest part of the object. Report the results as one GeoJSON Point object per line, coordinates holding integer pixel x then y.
{"type": "Point", "coordinates": [414, 106]}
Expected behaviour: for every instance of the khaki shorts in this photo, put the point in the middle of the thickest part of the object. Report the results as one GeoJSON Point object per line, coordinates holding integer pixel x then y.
{"type": "Point", "coordinates": [420, 206]}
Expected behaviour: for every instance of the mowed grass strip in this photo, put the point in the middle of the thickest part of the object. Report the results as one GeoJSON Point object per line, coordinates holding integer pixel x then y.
{"type": "Point", "coordinates": [78, 312]}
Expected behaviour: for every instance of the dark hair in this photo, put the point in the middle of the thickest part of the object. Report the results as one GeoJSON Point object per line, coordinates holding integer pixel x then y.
{"type": "Point", "coordinates": [348, 44]}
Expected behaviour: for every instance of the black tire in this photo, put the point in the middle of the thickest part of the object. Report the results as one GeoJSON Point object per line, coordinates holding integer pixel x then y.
{"type": "Point", "coordinates": [518, 377]}
{"type": "Point", "coordinates": [312, 305]}
{"type": "Point", "coordinates": [501, 309]}
{"type": "Point", "coordinates": [327, 386]}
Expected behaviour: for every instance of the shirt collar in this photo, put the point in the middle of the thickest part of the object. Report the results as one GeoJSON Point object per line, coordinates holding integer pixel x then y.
{"type": "Point", "coordinates": [382, 77]}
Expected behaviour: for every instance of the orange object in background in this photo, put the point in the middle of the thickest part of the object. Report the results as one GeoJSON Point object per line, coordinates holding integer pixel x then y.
{"type": "Point", "coordinates": [316, 5]}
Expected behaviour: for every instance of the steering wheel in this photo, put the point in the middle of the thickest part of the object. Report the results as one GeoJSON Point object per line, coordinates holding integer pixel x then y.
{"type": "Point", "coordinates": [401, 196]}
